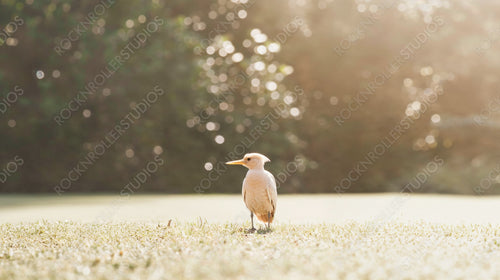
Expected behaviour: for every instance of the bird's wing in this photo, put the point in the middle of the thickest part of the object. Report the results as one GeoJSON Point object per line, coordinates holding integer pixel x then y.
{"type": "Point", "coordinates": [244, 192]}
{"type": "Point", "coordinates": [272, 193]}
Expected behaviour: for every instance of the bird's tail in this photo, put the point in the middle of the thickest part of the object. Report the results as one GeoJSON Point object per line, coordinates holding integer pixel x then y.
{"type": "Point", "coordinates": [264, 217]}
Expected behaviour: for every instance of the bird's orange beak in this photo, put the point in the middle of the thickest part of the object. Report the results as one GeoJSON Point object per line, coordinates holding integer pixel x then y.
{"type": "Point", "coordinates": [236, 162]}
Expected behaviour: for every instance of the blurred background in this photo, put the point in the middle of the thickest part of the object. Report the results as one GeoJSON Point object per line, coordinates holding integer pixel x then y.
{"type": "Point", "coordinates": [95, 93]}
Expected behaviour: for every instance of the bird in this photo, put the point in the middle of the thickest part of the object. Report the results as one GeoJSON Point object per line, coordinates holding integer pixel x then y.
{"type": "Point", "coordinates": [259, 188]}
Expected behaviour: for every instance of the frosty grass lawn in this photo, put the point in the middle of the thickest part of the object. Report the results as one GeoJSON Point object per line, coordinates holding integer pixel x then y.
{"type": "Point", "coordinates": [214, 250]}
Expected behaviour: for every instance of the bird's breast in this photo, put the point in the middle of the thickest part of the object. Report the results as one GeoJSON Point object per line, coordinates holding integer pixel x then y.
{"type": "Point", "coordinates": [255, 192]}
{"type": "Point", "coordinates": [255, 180]}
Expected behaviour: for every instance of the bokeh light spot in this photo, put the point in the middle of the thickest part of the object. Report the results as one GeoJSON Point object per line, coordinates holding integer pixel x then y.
{"type": "Point", "coordinates": [56, 74]}
{"type": "Point", "coordinates": [259, 66]}
{"type": "Point", "coordinates": [242, 14]}
{"type": "Point", "coordinates": [261, 49]}
{"type": "Point", "coordinates": [436, 118]}
{"type": "Point", "coordinates": [86, 113]}
{"type": "Point", "coordinates": [237, 57]}
{"type": "Point", "coordinates": [271, 86]}
{"type": "Point", "coordinates": [158, 150]}
{"type": "Point", "coordinates": [208, 166]}
{"type": "Point", "coordinates": [219, 139]}
{"type": "Point", "coordinates": [40, 74]}
{"type": "Point", "coordinates": [430, 139]}
{"type": "Point", "coordinates": [11, 123]}
{"type": "Point", "coordinates": [129, 153]}
{"type": "Point", "coordinates": [210, 126]}
{"type": "Point", "coordinates": [129, 23]}
{"type": "Point", "coordinates": [295, 112]}
{"type": "Point", "coordinates": [274, 47]}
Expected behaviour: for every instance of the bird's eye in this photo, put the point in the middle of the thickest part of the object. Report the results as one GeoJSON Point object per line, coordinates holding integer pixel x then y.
{"type": "Point", "coordinates": [248, 159]}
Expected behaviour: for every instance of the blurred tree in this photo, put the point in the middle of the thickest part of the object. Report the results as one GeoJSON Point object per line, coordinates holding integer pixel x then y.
{"type": "Point", "coordinates": [241, 76]}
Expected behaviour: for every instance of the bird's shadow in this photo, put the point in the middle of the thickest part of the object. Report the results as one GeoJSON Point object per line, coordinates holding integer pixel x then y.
{"type": "Point", "coordinates": [258, 231]}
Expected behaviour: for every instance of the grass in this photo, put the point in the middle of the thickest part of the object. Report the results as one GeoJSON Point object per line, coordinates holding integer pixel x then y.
{"type": "Point", "coordinates": [200, 250]}
{"type": "Point", "coordinates": [386, 236]}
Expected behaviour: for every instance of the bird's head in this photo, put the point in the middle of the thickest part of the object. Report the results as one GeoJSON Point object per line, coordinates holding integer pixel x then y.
{"type": "Point", "coordinates": [251, 161]}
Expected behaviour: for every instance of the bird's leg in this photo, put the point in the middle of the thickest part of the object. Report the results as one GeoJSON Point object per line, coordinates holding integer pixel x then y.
{"type": "Point", "coordinates": [251, 217]}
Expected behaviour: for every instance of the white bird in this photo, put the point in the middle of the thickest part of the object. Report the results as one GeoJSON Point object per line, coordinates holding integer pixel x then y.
{"type": "Point", "coordinates": [259, 188]}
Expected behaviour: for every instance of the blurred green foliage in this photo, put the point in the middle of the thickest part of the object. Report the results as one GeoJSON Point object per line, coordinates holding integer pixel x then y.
{"type": "Point", "coordinates": [225, 67]}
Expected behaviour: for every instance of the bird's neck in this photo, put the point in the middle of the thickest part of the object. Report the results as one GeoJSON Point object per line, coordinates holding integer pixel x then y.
{"type": "Point", "coordinates": [258, 168]}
